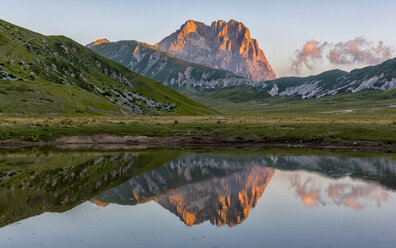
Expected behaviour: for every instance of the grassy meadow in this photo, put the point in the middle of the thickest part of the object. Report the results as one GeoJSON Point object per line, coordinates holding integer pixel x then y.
{"type": "Point", "coordinates": [269, 128]}
{"type": "Point", "coordinates": [363, 116]}
{"type": "Point", "coordinates": [367, 104]}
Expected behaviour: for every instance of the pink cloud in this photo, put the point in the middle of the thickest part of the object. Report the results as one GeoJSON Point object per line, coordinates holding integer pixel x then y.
{"type": "Point", "coordinates": [359, 50]}
{"type": "Point", "coordinates": [311, 51]}
{"type": "Point", "coordinates": [356, 51]}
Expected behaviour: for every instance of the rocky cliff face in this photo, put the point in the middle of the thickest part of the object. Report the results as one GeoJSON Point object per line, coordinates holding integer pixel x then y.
{"type": "Point", "coordinates": [225, 45]}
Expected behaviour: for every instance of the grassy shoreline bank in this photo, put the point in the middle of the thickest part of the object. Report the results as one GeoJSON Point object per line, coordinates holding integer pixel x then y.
{"type": "Point", "coordinates": [185, 130]}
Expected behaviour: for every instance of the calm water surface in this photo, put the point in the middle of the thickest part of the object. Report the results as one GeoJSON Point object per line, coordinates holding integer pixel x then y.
{"type": "Point", "coordinates": [174, 198]}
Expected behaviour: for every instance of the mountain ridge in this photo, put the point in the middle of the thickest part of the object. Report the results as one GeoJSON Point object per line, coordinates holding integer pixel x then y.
{"type": "Point", "coordinates": [378, 77]}
{"type": "Point", "coordinates": [166, 68]}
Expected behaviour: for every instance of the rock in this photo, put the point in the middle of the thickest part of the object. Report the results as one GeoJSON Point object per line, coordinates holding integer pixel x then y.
{"type": "Point", "coordinates": [225, 45]}
{"type": "Point", "coordinates": [98, 42]}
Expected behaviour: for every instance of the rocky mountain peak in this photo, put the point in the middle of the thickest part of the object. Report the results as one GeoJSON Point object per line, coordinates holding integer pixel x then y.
{"type": "Point", "coordinates": [189, 27]}
{"type": "Point", "coordinates": [225, 45]}
{"type": "Point", "coordinates": [98, 42]}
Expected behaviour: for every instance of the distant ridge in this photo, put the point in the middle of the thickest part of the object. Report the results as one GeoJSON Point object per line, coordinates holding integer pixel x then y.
{"type": "Point", "coordinates": [381, 77]}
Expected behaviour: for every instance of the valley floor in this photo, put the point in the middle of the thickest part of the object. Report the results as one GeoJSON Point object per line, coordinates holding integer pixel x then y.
{"type": "Point", "coordinates": [179, 131]}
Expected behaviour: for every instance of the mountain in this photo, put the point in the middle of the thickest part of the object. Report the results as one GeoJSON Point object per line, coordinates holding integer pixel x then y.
{"type": "Point", "coordinates": [220, 84]}
{"type": "Point", "coordinates": [225, 45]}
{"type": "Point", "coordinates": [58, 181]}
{"type": "Point", "coordinates": [371, 80]}
{"type": "Point", "coordinates": [222, 201]}
{"type": "Point", "coordinates": [197, 188]}
{"type": "Point", "coordinates": [222, 188]}
{"type": "Point", "coordinates": [166, 68]}
{"type": "Point", "coordinates": [98, 42]}
{"type": "Point", "coordinates": [379, 77]}
{"type": "Point", "coordinates": [55, 75]}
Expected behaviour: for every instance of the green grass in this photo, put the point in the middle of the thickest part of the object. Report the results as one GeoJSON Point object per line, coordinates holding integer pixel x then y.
{"type": "Point", "coordinates": [43, 97]}
{"type": "Point", "coordinates": [269, 129]}
{"type": "Point", "coordinates": [365, 104]}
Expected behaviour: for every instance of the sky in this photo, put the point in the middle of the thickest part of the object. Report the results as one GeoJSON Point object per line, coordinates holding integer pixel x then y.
{"type": "Point", "coordinates": [298, 37]}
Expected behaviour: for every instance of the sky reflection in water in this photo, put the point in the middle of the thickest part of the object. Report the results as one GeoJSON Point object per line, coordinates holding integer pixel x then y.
{"type": "Point", "coordinates": [220, 200]}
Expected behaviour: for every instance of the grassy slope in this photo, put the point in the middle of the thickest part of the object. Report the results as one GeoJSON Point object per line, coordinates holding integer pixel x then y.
{"type": "Point", "coordinates": [187, 106]}
{"type": "Point", "coordinates": [327, 80]}
{"type": "Point", "coordinates": [42, 97]}
{"type": "Point", "coordinates": [364, 104]}
{"type": "Point", "coordinates": [57, 59]}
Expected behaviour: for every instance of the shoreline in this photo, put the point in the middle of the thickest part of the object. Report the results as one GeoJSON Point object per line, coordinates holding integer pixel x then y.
{"type": "Point", "coordinates": [114, 142]}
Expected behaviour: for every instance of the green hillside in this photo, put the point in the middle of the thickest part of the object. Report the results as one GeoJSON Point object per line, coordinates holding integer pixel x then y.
{"type": "Point", "coordinates": [53, 74]}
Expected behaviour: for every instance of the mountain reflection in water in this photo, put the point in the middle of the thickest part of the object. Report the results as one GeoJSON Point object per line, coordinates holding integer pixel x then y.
{"type": "Point", "coordinates": [176, 198]}
{"type": "Point", "coordinates": [223, 189]}
{"type": "Point", "coordinates": [221, 200]}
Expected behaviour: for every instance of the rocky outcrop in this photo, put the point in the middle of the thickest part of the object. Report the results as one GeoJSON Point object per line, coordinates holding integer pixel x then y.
{"type": "Point", "coordinates": [98, 42]}
{"type": "Point", "coordinates": [226, 45]}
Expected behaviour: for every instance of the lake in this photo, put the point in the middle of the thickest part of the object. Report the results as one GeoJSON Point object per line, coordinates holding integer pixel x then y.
{"type": "Point", "coordinates": [268, 197]}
